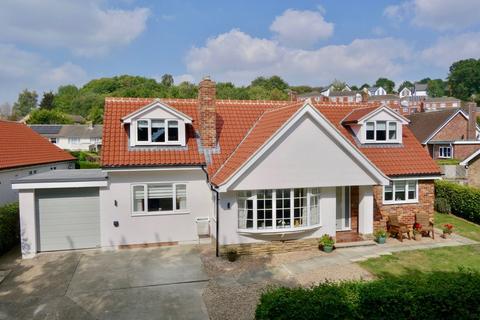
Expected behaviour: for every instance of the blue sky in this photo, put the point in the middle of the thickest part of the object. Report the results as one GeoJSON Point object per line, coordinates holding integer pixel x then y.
{"type": "Point", "coordinates": [47, 43]}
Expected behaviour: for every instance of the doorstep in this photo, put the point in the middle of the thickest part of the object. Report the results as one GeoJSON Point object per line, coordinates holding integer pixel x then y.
{"type": "Point", "coordinates": [363, 243]}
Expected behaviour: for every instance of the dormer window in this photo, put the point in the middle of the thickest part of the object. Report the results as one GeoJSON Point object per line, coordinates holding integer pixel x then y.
{"type": "Point", "coordinates": [157, 131]}
{"type": "Point", "coordinates": [379, 131]}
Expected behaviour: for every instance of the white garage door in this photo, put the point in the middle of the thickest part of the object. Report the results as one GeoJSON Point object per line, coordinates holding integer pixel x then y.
{"type": "Point", "coordinates": [68, 218]}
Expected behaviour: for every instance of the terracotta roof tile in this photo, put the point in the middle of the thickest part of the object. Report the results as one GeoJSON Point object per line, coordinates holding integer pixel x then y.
{"type": "Point", "coordinates": [21, 146]}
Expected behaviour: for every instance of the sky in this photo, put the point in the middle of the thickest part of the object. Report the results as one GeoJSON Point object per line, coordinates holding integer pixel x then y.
{"type": "Point", "coordinates": [47, 43]}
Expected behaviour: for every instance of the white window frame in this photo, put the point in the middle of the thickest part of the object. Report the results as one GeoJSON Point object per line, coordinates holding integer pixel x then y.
{"type": "Point", "coordinates": [442, 150]}
{"type": "Point", "coordinates": [406, 201]}
{"type": "Point", "coordinates": [387, 124]}
{"type": "Point", "coordinates": [145, 199]}
{"type": "Point", "coordinates": [167, 141]}
{"type": "Point", "coordinates": [74, 141]}
{"type": "Point", "coordinates": [274, 228]}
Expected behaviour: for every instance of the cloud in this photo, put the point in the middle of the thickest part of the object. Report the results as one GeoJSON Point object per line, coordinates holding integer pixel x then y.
{"type": "Point", "coordinates": [238, 57]}
{"type": "Point", "coordinates": [301, 29]}
{"type": "Point", "coordinates": [436, 14]}
{"type": "Point", "coordinates": [80, 26]}
{"type": "Point", "coordinates": [184, 77]}
{"type": "Point", "coordinates": [22, 69]}
{"type": "Point", "coordinates": [449, 49]}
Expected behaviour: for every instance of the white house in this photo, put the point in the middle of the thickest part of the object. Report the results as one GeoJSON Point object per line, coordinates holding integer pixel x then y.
{"type": "Point", "coordinates": [77, 137]}
{"type": "Point", "coordinates": [405, 92]}
{"type": "Point", "coordinates": [420, 90]}
{"type": "Point", "coordinates": [25, 153]}
{"type": "Point", "coordinates": [245, 173]}
{"type": "Point", "coordinates": [376, 91]}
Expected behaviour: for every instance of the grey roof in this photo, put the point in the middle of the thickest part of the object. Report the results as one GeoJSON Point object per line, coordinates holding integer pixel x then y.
{"type": "Point", "coordinates": [372, 89]}
{"type": "Point", "coordinates": [421, 87]}
{"type": "Point", "coordinates": [74, 175]}
{"type": "Point", "coordinates": [442, 99]}
{"type": "Point", "coordinates": [345, 93]}
{"type": "Point", "coordinates": [310, 94]}
{"type": "Point", "coordinates": [423, 124]}
{"type": "Point", "coordinates": [46, 129]}
{"type": "Point", "coordinates": [384, 97]}
{"type": "Point", "coordinates": [68, 130]}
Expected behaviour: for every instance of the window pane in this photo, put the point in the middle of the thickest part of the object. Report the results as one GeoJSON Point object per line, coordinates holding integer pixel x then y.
{"type": "Point", "coordinates": [158, 131]}
{"type": "Point", "coordinates": [160, 197]}
{"type": "Point", "coordinates": [172, 130]}
{"type": "Point", "coordinates": [392, 130]}
{"type": "Point", "coordinates": [245, 210]}
{"type": "Point", "coordinates": [181, 197]}
{"type": "Point", "coordinates": [412, 190]}
{"type": "Point", "coordinates": [138, 199]}
{"type": "Point", "coordinates": [388, 194]}
{"type": "Point", "coordinates": [142, 130]}
{"type": "Point", "coordinates": [370, 131]}
{"type": "Point", "coordinates": [314, 207]}
{"type": "Point", "coordinates": [282, 214]}
{"type": "Point", "coordinates": [399, 190]}
{"type": "Point", "coordinates": [264, 209]}
{"type": "Point", "coordinates": [300, 208]}
{"type": "Point", "coordinates": [381, 131]}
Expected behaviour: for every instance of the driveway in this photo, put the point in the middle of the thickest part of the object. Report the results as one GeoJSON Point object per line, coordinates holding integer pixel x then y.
{"type": "Point", "coordinates": [155, 283]}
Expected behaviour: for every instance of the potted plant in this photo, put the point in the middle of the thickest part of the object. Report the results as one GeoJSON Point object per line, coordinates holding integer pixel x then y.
{"type": "Point", "coordinates": [232, 255]}
{"type": "Point", "coordinates": [380, 236]}
{"type": "Point", "coordinates": [326, 243]}
{"type": "Point", "coordinates": [447, 230]}
{"type": "Point", "coordinates": [417, 231]}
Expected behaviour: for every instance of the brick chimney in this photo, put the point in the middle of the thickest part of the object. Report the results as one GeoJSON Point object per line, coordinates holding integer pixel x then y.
{"type": "Point", "coordinates": [364, 94]}
{"type": "Point", "coordinates": [472, 121]}
{"type": "Point", "coordinates": [207, 111]}
{"type": "Point", "coordinates": [292, 95]}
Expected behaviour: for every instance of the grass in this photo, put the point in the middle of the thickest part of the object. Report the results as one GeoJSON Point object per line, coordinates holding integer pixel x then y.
{"type": "Point", "coordinates": [448, 161]}
{"type": "Point", "coordinates": [438, 259]}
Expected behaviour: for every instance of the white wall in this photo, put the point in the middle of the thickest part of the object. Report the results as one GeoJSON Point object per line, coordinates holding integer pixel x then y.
{"type": "Point", "coordinates": [28, 227]}
{"type": "Point", "coordinates": [154, 228]}
{"type": "Point", "coordinates": [7, 194]}
{"type": "Point", "coordinates": [306, 156]}
{"type": "Point", "coordinates": [228, 219]}
{"type": "Point", "coordinates": [84, 144]}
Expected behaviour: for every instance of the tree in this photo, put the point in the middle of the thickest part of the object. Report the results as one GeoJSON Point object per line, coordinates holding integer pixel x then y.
{"type": "Point", "coordinates": [436, 88]}
{"type": "Point", "coordinates": [464, 79]}
{"type": "Point", "coordinates": [365, 85]}
{"type": "Point", "coordinates": [338, 85]}
{"type": "Point", "coordinates": [96, 115]}
{"type": "Point", "coordinates": [47, 100]}
{"type": "Point", "coordinates": [405, 84]}
{"type": "Point", "coordinates": [386, 84]}
{"type": "Point", "coordinates": [167, 80]}
{"type": "Point", "coordinates": [424, 80]}
{"type": "Point", "coordinates": [45, 116]}
{"type": "Point", "coordinates": [5, 111]}
{"type": "Point", "coordinates": [274, 82]}
{"type": "Point", "coordinates": [64, 97]}
{"type": "Point", "coordinates": [27, 101]}
{"type": "Point", "coordinates": [354, 88]}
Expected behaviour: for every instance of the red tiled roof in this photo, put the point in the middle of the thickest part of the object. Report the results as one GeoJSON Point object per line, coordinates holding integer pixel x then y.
{"type": "Point", "coordinates": [242, 128]}
{"type": "Point", "coordinates": [21, 146]}
{"type": "Point", "coordinates": [358, 114]}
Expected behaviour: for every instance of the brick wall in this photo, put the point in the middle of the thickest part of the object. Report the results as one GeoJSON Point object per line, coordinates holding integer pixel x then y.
{"type": "Point", "coordinates": [462, 151]}
{"type": "Point", "coordinates": [456, 129]}
{"type": "Point", "coordinates": [473, 174]}
{"type": "Point", "coordinates": [406, 212]}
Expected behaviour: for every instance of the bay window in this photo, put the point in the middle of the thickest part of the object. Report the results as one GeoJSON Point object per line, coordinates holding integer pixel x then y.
{"type": "Point", "coordinates": [279, 210]}
{"type": "Point", "coordinates": [157, 198]}
{"type": "Point", "coordinates": [401, 191]}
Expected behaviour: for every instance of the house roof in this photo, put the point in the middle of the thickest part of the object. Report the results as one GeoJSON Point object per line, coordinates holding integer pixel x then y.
{"type": "Point", "coordinates": [68, 131]}
{"type": "Point", "coordinates": [242, 128]}
{"type": "Point", "coordinates": [345, 93]}
{"type": "Point", "coordinates": [384, 97]}
{"type": "Point", "coordinates": [310, 94]}
{"type": "Point", "coordinates": [424, 124]}
{"type": "Point", "coordinates": [421, 87]}
{"type": "Point", "coordinates": [442, 99]}
{"type": "Point", "coordinates": [21, 146]}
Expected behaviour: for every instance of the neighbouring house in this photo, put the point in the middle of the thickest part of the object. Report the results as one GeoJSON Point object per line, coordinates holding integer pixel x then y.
{"type": "Point", "coordinates": [420, 90]}
{"type": "Point", "coordinates": [75, 118]}
{"type": "Point", "coordinates": [390, 100]}
{"type": "Point", "coordinates": [316, 95]}
{"type": "Point", "coordinates": [472, 169]}
{"type": "Point", "coordinates": [345, 96]}
{"type": "Point", "coordinates": [75, 137]}
{"type": "Point", "coordinates": [440, 103]}
{"type": "Point", "coordinates": [447, 134]}
{"type": "Point", "coordinates": [25, 153]}
{"type": "Point", "coordinates": [376, 91]}
{"type": "Point", "coordinates": [405, 92]}
{"type": "Point", "coordinates": [253, 175]}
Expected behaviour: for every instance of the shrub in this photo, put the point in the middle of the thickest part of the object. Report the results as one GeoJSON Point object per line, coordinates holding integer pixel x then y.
{"type": "Point", "coordinates": [442, 205]}
{"type": "Point", "coordinates": [326, 241]}
{"type": "Point", "coordinates": [380, 233]}
{"type": "Point", "coordinates": [416, 295]}
{"type": "Point", "coordinates": [9, 227]}
{"type": "Point", "coordinates": [464, 200]}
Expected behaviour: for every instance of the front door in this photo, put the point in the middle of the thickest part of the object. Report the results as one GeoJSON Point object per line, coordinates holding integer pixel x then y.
{"type": "Point", "coordinates": [343, 208]}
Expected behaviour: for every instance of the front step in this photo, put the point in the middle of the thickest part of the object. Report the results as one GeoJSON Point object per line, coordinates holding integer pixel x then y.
{"type": "Point", "coordinates": [363, 243]}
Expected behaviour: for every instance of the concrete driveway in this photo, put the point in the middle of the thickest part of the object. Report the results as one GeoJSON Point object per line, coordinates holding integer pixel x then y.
{"type": "Point", "coordinates": [156, 283]}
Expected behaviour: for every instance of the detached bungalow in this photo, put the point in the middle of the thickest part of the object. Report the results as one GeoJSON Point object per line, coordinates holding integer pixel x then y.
{"type": "Point", "coordinates": [249, 174]}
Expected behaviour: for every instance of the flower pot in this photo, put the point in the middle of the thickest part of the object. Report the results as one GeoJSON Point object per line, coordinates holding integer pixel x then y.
{"type": "Point", "coordinates": [327, 249]}
{"type": "Point", "coordinates": [232, 256]}
{"type": "Point", "coordinates": [381, 240]}
{"type": "Point", "coordinates": [418, 236]}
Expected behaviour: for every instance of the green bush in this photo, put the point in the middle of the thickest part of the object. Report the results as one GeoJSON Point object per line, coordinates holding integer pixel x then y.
{"type": "Point", "coordinates": [442, 205]}
{"type": "Point", "coordinates": [438, 295]}
{"type": "Point", "coordinates": [464, 200]}
{"type": "Point", "coordinates": [9, 227]}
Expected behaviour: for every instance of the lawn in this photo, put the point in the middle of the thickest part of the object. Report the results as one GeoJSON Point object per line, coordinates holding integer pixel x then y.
{"type": "Point", "coordinates": [439, 259]}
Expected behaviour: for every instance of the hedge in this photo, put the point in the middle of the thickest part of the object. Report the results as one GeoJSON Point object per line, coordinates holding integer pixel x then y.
{"type": "Point", "coordinates": [9, 227]}
{"type": "Point", "coordinates": [438, 295]}
{"type": "Point", "coordinates": [464, 201]}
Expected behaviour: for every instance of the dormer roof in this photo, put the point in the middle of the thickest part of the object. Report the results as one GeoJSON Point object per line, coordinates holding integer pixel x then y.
{"type": "Point", "coordinates": [361, 115]}
{"type": "Point", "coordinates": [157, 103]}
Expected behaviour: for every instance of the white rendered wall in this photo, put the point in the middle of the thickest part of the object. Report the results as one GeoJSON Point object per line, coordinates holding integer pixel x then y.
{"type": "Point", "coordinates": [28, 227]}
{"type": "Point", "coordinates": [365, 210]}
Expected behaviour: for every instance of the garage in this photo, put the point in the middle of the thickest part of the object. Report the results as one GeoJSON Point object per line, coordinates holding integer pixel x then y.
{"type": "Point", "coordinates": [68, 218]}
{"type": "Point", "coordinates": [60, 210]}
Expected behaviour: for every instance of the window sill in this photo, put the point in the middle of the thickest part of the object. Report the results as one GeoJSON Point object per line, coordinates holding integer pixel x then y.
{"type": "Point", "coordinates": [166, 213]}
{"type": "Point", "coordinates": [400, 202]}
{"type": "Point", "coordinates": [278, 231]}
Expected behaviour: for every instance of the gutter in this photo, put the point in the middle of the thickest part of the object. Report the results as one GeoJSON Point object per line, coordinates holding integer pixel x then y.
{"type": "Point", "coordinates": [216, 210]}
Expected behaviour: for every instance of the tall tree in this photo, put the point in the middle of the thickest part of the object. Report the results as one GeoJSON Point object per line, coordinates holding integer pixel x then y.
{"type": "Point", "coordinates": [167, 80]}
{"type": "Point", "coordinates": [405, 84]}
{"type": "Point", "coordinates": [45, 116]}
{"type": "Point", "coordinates": [64, 97]}
{"type": "Point", "coordinates": [386, 84]}
{"type": "Point", "coordinates": [274, 82]}
{"type": "Point", "coordinates": [338, 85]}
{"type": "Point", "coordinates": [464, 79]}
{"type": "Point", "coordinates": [436, 88]}
{"type": "Point", "coordinates": [5, 110]}
{"type": "Point", "coordinates": [27, 101]}
{"type": "Point", "coordinates": [424, 80]}
{"type": "Point", "coordinates": [365, 85]}
{"type": "Point", "coordinates": [47, 100]}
